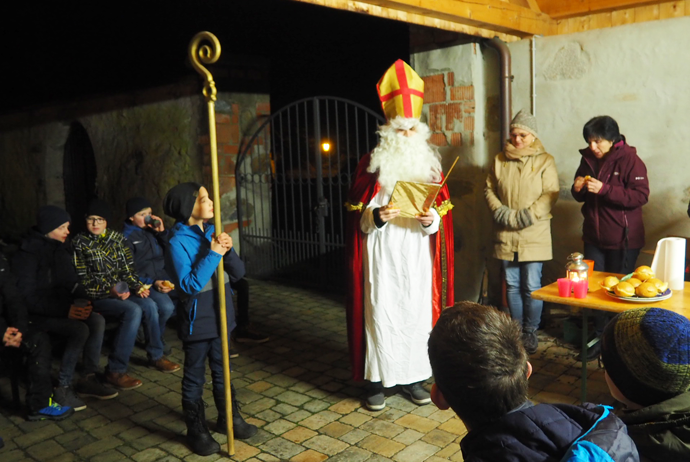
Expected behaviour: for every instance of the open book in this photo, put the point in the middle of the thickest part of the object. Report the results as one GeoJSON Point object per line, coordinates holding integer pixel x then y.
{"type": "Point", "coordinates": [413, 198]}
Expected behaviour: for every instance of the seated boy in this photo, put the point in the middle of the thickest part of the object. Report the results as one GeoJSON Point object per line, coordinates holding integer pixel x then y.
{"type": "Point", "coordinates": [646, 353]}
{"type": "Point", "coordinates": [14, 328]}
{"type": "Point", "coordinates": [481, 371]}
{"type": "Point", "coordinates": [48, 281]}
{"type": "Point", "coordinates": [194, 254]}
{"type": "Point", "coordinates": [146, 237]}
{"type": "Point", "coordinates": [106, 269]}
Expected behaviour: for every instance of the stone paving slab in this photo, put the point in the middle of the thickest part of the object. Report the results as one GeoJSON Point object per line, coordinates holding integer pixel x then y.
{"type": "Point", "coordinates": [296, 388]}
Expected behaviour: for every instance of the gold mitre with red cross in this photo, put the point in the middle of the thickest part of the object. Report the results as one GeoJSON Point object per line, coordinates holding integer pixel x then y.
{"type": "Point", "coordinates": [401, 91]}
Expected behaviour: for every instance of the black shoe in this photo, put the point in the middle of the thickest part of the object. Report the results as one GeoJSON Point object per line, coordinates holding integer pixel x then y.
{"type": "Point", "coordinates": [199, 439]}
{"type": "Point", "coordinates": [247, 335]}
{"type": "Point", "coordinates": [530, 341]}
{"type": "Point", "coordinates": [376, 398]}
{"type": "Point", "coordinates": [232, 351]}
{"type": "Point", "coordinates": [240, 429]}
{"type": "Point", "coordinates": [593, 351]}
{"type": "Point", "coordinates": [417, 393]}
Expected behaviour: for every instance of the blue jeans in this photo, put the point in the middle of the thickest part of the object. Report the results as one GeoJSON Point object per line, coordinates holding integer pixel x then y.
{"type": "Point", "coordinates": [129, 313]}
{"type": "Point", "coordinates": [86, 336]}
{"type": "Point", "coordinates": [155, 328]}
{"type": "Point", "coordinates": [194, 378]}
{"type": "Point", "coordinates": [522, 278]}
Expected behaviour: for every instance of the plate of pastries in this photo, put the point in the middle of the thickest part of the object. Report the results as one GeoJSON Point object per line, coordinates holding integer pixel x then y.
{"type": "Point", "coordinates": [641, 286]}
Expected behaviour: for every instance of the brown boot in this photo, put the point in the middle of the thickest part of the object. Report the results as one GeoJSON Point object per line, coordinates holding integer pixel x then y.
{"type": "Point", "coordinates": [164, 365]}
{"type": "Point", "coordinates": [122, 381]}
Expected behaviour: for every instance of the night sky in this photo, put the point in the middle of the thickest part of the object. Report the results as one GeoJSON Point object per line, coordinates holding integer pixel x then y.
{"type": "Point", "coordinates": [58, 52]}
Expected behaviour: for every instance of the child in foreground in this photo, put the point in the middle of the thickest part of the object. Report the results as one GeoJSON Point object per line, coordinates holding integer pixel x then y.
{"type": "Point", "coordinates": [194, 256]}
{"type": "Point", "coordinates": [646, 353]}
{"type": "Point", "coordinates": [481, 371]}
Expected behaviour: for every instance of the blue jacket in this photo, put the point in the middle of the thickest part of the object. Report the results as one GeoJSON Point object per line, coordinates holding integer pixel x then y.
{"type": "Point", "coordinates": [194, 263]}
{"type": "Point", "coordinates": [149, 259]}
{"type": "Point", "coordinates": [545, 432]}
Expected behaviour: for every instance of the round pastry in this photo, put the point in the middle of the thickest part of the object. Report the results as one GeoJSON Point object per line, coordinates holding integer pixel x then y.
{"type": "Point", "coordinates": [660, 285]}
{"type": "Point", "coordinates": [609, 282]}
{"type": "Point", "coordinates": [643, 273]}
{"type": "Point", "coordinates": [634, 282]}
{"type": "Point", "coordinates": [624, 289]}
{"type": "Point", "coordinates": [646, 290]}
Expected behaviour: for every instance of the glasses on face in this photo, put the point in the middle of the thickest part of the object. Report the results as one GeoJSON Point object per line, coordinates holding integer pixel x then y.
{"type": "Point", "coordinates": [95, 221]}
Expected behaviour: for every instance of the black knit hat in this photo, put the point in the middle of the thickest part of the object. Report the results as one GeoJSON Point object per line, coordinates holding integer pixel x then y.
{"type": "Point", "coordinates": [646, 353]}
{"type": "Point", "coordinates": [99, 208]}
{"type": "Point", "coordinates": [50, 217]}
{"type": "Point", "coordinates": [179, 201]}
{"type": "Point", "coordinates": [136, 205]}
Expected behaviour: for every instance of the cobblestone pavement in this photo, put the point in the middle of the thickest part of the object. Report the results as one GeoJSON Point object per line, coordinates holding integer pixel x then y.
{"type": "Point", "coordinates": [296, 388]}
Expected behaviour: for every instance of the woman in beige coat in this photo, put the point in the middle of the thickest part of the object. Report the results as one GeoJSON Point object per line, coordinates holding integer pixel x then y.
{"type": "Point", "coordinates": [521, 189]}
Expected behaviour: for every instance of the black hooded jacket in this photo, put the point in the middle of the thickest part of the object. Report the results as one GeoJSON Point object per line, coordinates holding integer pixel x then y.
{"type": "Point", "coordinates": [46, 276]}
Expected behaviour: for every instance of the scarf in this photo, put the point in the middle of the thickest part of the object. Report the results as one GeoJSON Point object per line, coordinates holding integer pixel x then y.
{"type": "Point", "coordinates": [513, 153]}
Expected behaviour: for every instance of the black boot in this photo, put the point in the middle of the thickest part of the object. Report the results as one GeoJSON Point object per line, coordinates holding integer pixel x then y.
{"type": "Point", "coordinates": [241, 429]}
{"type": "Point", "coordinates": [199, 439]}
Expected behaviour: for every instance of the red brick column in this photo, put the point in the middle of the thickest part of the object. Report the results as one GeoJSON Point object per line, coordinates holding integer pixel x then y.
{"type": "Point", "coordinates": [450, 109]}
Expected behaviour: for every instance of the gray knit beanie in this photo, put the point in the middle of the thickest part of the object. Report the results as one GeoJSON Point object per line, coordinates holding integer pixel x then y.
{"type": "Point", "coordinates": [525, 121]}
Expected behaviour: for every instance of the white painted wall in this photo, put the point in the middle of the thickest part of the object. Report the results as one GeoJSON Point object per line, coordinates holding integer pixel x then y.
{"type": "Point", "coordinates": [639, 74]}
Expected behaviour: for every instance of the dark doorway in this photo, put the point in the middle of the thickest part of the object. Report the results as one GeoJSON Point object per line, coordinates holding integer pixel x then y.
{"type": "Point", "coordinates": [293, 176]}
{"type": "Point", "coordinates": [79, 174]}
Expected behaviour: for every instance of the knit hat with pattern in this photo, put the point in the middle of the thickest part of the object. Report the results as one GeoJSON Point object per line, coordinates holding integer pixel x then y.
{"type": "Point", "coordinates": [525, 121]}
{"type": "Point", "coordinates": [646, 353]}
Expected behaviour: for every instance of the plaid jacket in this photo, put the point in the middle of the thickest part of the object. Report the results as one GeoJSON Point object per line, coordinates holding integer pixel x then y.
{"type": "Point", "coordinates": [103, 261]}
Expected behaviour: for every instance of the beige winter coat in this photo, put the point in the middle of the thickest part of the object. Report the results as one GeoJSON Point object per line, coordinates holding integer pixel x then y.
{"type": "Point", "coordinates": [530, 182]}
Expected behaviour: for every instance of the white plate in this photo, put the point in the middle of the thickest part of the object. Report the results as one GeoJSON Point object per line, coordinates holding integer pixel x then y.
{"type": "Point", "coordinates": [636, 299]}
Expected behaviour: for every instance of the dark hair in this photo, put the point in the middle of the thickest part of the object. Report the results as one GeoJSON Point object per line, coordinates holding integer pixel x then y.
{"type": "Point", "coordinates": [479, 362]}
{"type": "Point", "coordinates": [602, 127]}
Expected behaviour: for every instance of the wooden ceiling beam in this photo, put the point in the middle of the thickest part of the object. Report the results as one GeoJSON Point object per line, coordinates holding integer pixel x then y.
{"type": "Point", "coordinates": [484, 18]}
{"type": "Point", "coordinates": [560, 9]}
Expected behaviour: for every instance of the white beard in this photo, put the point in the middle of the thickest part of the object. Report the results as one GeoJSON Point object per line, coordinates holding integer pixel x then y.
{"type": "Point", "coordinates": [401, 158]}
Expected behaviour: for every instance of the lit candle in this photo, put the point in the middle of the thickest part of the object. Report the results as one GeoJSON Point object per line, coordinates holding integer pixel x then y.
{"type": "Point", "coordinates": [580, 288]}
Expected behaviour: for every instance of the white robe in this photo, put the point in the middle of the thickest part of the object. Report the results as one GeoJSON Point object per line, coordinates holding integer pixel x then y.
{"type": "Point", "coordinates": [397, 297]}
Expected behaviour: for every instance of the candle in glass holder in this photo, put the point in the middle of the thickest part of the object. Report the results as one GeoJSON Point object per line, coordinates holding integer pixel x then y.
{"type": "Point", "coordinates": [564, 287]}
{"type": "Point", "coordinates": [580, 288]}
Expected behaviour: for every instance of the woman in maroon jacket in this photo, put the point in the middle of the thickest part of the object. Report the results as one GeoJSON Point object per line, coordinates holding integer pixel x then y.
{"type": "Point", "coordinates": [612, 182]}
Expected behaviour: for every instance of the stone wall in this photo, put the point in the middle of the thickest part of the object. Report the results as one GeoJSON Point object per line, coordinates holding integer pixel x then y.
{"type": "Point", "coordinates": [140, 150]}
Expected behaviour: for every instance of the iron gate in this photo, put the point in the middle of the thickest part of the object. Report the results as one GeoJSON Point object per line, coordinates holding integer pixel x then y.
{"type": "Point", "coordinates": [292, 179]}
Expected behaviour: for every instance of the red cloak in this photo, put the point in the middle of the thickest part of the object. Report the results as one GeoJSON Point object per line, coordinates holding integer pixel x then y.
{"type": "Point", "coordinates": [364, 188]}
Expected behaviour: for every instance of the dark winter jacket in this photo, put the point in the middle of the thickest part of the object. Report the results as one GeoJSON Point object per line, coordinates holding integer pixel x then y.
{"type": "Point", "coordinates": [615, 213]}
{"type": "Point", "coordinates": [194, 265]}
{"type": "Point", "coordinates": [46, 276]}
{"type": "Point", "coordinates": [545, 432]}
{"type": "Point", "coordinates": [13, 312]}
{"type": "Point", "coordinates": [147, 248]}
{"type": "Point", "coordinates": [103, 261]}
{"type": "Point", "coordinates": [662, 431]}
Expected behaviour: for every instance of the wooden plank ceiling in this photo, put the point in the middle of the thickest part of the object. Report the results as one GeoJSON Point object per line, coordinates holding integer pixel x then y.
{"type": "Point", "coordinates": [512, 20]}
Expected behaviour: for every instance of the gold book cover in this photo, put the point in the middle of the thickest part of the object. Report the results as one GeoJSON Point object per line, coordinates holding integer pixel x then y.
{"type": "Point", "coordinates": [413, 198]}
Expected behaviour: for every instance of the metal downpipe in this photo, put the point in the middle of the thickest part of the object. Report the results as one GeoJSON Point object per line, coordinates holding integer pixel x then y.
{"type": "Point", "coordinates": [505, 85]}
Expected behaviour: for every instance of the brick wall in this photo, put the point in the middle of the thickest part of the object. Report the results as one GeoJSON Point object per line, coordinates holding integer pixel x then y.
{"type": "Point", "coordinates": [449, 109]}
{"type": "Point", "coordinates": [236, 120]}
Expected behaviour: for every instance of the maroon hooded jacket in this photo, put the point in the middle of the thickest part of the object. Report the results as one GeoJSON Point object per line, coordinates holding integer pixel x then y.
{"type": "Point", "coordinates": [615, 213]}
